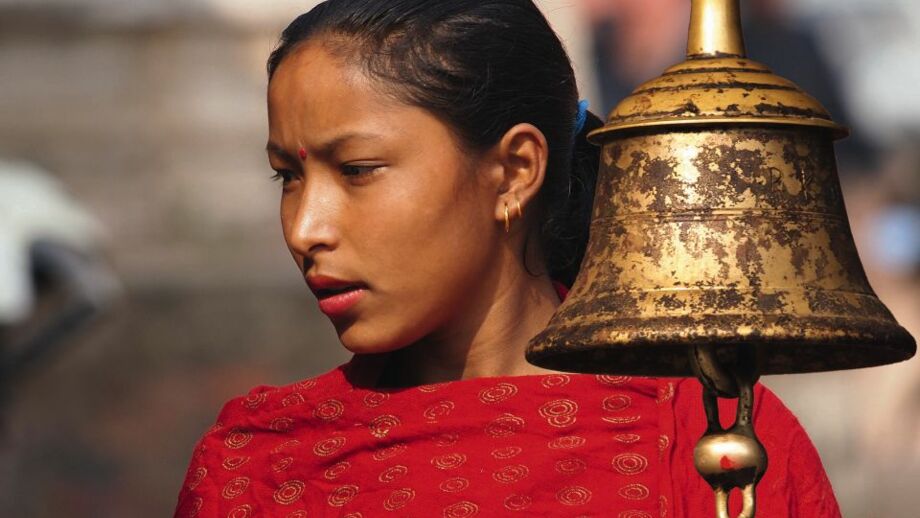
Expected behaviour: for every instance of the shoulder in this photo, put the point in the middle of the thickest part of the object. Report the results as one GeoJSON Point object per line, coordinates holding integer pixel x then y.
{"type": "Point", "coordinates": [266, 400]}
{"type": "Point", "coordinates": [239, 439]}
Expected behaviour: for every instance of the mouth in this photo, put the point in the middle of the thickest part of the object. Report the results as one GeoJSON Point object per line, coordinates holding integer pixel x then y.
{"type": "Point", "coordinates": [325, 293]}
{"type": "Point", "coordinates": [336, 297]}
{"type": "Point", "coordinates": [337, 304]}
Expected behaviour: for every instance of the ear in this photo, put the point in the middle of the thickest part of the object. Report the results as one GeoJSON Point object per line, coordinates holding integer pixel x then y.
{"type": "Point", "coordinates": [521, 158]}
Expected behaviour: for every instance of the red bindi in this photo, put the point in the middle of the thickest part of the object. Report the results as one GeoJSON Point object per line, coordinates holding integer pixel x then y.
{"type": "Point", "coordinates": [303, 154]}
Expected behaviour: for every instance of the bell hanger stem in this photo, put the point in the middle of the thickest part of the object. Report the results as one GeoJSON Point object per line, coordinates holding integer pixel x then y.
{"type": "Point", "coordinates": [715, 29]}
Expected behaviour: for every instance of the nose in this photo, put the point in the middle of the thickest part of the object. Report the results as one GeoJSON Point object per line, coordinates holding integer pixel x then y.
{"type": "Point", "coordinates": [308, 219]}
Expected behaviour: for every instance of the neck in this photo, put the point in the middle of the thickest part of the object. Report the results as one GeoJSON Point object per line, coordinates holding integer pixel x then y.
{"type": "Point", "coordinates": [487, 338]}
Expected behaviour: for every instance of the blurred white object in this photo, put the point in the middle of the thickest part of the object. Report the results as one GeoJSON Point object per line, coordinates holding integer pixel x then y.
{"type": "Point", "coordinates": [34, 208]}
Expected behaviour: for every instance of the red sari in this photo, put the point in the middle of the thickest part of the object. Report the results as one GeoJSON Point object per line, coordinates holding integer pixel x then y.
{"type": "Point", "coordinates": [572, 445]}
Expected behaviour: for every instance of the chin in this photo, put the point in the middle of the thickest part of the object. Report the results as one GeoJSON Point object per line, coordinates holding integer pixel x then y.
{"type": "Point", "coordinates": [360, 338]}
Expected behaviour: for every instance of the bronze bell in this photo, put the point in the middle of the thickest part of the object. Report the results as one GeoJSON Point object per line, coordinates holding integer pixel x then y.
{"type": "Point", "coordinates": [719, 222]}
{"type": "Point", "coordinates": [720, 246]}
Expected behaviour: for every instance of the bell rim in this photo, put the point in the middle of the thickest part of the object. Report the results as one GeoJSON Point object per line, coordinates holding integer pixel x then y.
{"type": "Point", "coordinates": [787, 354]}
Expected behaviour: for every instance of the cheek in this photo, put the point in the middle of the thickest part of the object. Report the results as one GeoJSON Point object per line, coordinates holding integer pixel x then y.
{"type": "Point", "coordinates": [424, 252]}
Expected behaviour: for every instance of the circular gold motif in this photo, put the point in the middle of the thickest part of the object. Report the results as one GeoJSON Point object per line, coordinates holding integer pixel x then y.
{"type": "Point", "coordinates": [353, 515]}
{"type": "Point", "coordinates": [463, 509]}
{"type": "Point", "coordinates": [449, 461]}
{"type": "Point", "coordinates": [447, 439]}
{"type": "Point", "coordinates": [329, 410]}
{"type": "Point", "coordinates": [570, 466]}
{"type": "Point", "coordinates": [195, 507]}
{"type": "Point", "coordinates": [605, 379]}
{"type": "Point", "coordinates": [507, 452]}
{"type": "Point", "coordinates": [498, 393]}
{"type": "Point", "coordinates": [398, 499]}
{"type": "Point", "coordinates": [381, 425]}
{"type": "Point", "coordinates": [237, 438]}
{"type": "Point", "coordinates": [306, 384]}
{"type": "Point", "coordinates": [622, 419]}
{"type": "Point", "coordinates": [433, 387]}
{"type": "Point", "coordinates": [505, 425]}
{"type": "Point", "coordinates": [517, 502]}
{"type": "Point", "coordinates": [298, 514]}
{"type": "Point", "coordinates": [327, 447]}
{"type": "Point", "coordinates": [663, 443]}
{"type": "Point", "coordinates": [254, 401]}
{"type": "Point", "coordinates": [289, 492]}
{"type": "Point", "coordinates": [235, 488]}
{"type": "Point", "coordinates": [511, 474]}
{"type": "Point", "coordinates": [389, 452]}
{"type": "Point", "coordinates": [617, 402]}
{"type": "Point", "coordinates": [560, 412]}
{"type": "Point", "coordinates": [629, 463]}
{"type": "Point", "coordinates": [243, 511]}
{"type": "Point", "coordinates": [293, 399]}
{"type": "Point", "coordinates": [666, 393]}
{"type": "Point", "coordinates": [573, 495]}
{"type": "Point", "coordinates": [438, 410]}
{"type": "Point", "coordinates": [626, 438]}
{"type": "Point", "coordinates": [633, 492]}
{"type": "Point", "coordinates": [566, 442]}
{"type": "Point", "coordinates": [285, 445]}
{"type": "Point", "coordinates": [282, 464]}
{"type": "Point", "coordinates": [375, 399]}
{"type": "Point", "coordinates": [232, 463]}
{"type": "Point", "coordinates": [336, 470]}
{"type": "Point", "coordinates": [454, 485]}
{"type": "Point", "coordinates": [281, 424]}
{"type": "Point", "coordinates": [393, 473]}
{"type": "Point", "coordinates": [634, 514]}
{"type": "Point", "coordinates": [555, 380]}
{"type": "Point", "coordinates": [342, 495]}
{"type": "Point", "coordinates": [197, 477]}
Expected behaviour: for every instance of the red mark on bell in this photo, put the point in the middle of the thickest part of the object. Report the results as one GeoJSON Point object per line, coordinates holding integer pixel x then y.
{"type": "Point", "coordinates": [303, 154]}
{"type": "Point", "coordinates": [726, 463]}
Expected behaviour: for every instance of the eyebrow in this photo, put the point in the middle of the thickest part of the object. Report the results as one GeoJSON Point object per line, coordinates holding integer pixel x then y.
{"type": "Point", "coordinates": [328, 146]}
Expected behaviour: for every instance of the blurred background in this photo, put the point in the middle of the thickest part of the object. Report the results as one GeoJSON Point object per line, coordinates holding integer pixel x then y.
{"type": "Point", "coordinates": [144, 280]}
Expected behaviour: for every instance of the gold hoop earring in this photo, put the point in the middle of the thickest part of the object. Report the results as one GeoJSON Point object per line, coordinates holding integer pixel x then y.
{"type": "Point", "coordinates": [507, 220]}
{"type": "Point", "coordinates": [519, 210]}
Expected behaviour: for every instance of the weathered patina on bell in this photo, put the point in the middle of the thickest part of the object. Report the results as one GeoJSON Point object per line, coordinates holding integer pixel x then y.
{"type": "Point", "coordinates": [719, 222]}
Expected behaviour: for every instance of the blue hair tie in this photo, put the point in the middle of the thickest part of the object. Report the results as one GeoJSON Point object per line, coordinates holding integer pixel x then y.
{"type": "Point", "coordinates": [582, 116]}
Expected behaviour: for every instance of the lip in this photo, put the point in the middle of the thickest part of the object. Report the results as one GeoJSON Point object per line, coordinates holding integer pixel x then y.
{"type": "Point", "coordinates": [336, 296]}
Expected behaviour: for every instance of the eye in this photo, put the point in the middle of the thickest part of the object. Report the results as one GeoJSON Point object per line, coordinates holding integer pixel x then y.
{"type": "Point", "coordinates": [359, 169]}
{"type": "Point", "coordinates": [284, 175]}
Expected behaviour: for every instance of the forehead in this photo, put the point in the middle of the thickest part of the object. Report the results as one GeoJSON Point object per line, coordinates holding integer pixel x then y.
{"type": "Point", "coordinates": [313, 86]}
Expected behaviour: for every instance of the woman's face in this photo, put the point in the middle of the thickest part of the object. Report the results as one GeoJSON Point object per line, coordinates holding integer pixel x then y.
{"type": "Point", "coordinates": [378, 200]}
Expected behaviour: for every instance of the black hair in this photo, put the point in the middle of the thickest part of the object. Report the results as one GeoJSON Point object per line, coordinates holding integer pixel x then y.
{"type": "Point", "coordinates": [481, 66]}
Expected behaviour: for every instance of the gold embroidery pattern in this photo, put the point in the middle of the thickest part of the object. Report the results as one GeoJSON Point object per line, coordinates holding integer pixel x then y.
{"type": "Point", "coordinates": [498, 393]}
{"type": "Point", "coordinates": [634, 492]}
{"type": "Point", "coordinates": [511, 474]}
{"type": "Point", "coordinates": [289, 492]}
{"type": "Point", "coordinates": [573, 495]}
{"type": "Point", "coordinates": [398, 499]}
{"type": "Point", "coordinates": [342, 495]}
{"type": "Point", "coordinates": [629, 463]}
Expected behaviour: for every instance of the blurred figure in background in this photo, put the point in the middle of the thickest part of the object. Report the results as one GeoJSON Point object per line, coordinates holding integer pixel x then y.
{"type": "Point", "coordinates": [635, 41]}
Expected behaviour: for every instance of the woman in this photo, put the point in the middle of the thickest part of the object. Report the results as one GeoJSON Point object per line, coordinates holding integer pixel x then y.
{"type": "Point", "coordinates": [437, 187]}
